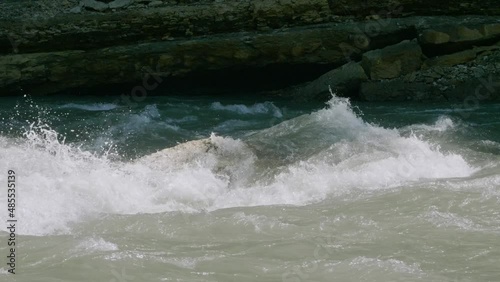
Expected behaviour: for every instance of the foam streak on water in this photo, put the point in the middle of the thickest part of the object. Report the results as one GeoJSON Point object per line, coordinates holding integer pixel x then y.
{"type": "Point", "coordinates": [92, 107]}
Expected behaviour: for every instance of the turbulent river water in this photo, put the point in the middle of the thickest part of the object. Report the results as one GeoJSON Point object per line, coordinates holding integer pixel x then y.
{"type": "Point", "coordinates": [229, 189]}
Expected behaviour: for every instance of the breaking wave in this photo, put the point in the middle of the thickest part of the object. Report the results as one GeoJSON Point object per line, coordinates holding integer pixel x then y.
{"type": "Point", "coordinates": [325, 154]}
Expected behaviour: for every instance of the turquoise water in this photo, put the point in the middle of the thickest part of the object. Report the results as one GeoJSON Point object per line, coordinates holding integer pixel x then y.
{"type": "Point", "coordinates": [227, 188]}
{"type": "Point", "coordinates": [145, 127]}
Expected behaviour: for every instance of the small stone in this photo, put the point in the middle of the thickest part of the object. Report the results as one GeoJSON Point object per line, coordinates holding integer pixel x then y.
{"type": "Point", "coordinates": [411, 77]}
{"type": "Point", "coordinates": [439, 70]}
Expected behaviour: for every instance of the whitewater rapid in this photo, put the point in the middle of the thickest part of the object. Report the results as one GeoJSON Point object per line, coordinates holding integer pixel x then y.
{"type": "Point", "coordinates": [328, 153]}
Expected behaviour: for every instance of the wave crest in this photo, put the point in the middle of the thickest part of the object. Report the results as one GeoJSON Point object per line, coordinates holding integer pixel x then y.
{"type": "Point", "coordinates": [324, 154]}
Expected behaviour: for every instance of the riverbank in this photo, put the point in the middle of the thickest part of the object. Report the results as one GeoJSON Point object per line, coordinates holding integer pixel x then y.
{"type": "Point", "coordinates": [370, 51]}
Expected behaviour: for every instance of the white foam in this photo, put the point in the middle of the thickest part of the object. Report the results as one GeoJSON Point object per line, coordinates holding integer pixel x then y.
{"type": "Point", "coordinates": [259, 108]}
{"type": "Point", "coordinates": [442, 124]}
{"type": "Point", "coordinates": [90, 107]}
{"type": "Point", "coordinates": [147, 119]}
{"type": "Point", "coordinates": [60, 185]}
{"type": "Point", "coordinates": [189, 262]}
{"type": "Point", "coordinates": [260, 223]}
{"type": "Point", "coordinates": [392, 265]}
{"type": "Point", "coordinates": [185, 119]}
{"type": "Point", "coordinates": [90, 245]}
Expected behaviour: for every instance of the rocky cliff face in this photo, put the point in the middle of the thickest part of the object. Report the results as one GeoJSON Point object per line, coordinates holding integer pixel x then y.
{"type": "Point", "coordinates": [377, 50]}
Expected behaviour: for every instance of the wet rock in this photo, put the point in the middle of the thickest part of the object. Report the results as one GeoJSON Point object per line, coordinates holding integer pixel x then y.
{"type": "Point", "coordinates": [490, 30]}
{"type": "Point", "coordinates": [397, 90]}
{"type": "Point", "coordinates": [343, 81]}
{"type": "Point", "coordinates": [450, 60]}
{"type": "Point", "coordinates": [393, 61]}
{"type": "Point", "coordinates": [434, 37]}
{"type": "Point", "coordinates": [463, 33]}
{"type": "Point", "coordinates": [452, 83]}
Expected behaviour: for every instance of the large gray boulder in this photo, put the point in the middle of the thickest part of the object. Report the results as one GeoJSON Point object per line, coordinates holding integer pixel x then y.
{"type": "Point", "coordinates": [393, 61]}
{"type": "Point", "coordinates": [343, 81]}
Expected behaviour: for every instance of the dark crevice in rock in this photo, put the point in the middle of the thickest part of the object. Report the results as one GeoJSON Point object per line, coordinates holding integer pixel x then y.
{"type": "Point", "coordinates": [254, 80]}
{"type": "Point", "coordinates": [382, 41]}
{"type": "Point", "coordinates": [331, 4]}
{"type": "Point", "coordinates": [6, 46]}
{"type": "Point", "coordinates": [221, 82]}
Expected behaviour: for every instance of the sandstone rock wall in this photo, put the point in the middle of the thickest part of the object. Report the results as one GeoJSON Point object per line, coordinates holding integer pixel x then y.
{"type": "Point", "coordinates": [48, 46]}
